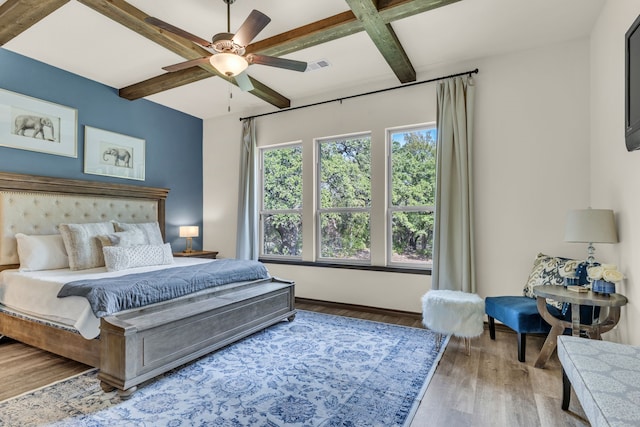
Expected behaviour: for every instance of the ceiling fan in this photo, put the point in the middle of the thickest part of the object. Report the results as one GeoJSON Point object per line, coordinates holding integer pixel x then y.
{"type": "Point", "coordinates": [228, 49]}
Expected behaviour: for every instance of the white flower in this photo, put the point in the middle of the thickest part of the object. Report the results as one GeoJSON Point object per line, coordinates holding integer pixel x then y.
{"type": "Point", "coordinates": [612, 276]}
{"type": "Point", "coordinates": [595, 273]}
{"type": "Point", "coordinates": [606, 272]}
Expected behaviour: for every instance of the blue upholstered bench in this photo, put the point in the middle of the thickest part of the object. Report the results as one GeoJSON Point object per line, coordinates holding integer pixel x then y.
{"type": "Point", "coordinates": [520, 313]}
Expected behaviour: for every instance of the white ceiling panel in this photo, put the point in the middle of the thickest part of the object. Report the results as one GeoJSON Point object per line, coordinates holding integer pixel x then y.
{"type": "Point", "coordinates": [80, 40]}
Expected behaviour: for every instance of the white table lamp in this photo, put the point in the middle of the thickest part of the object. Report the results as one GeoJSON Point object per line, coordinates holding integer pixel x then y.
{"type": "Point", "coordinates": [189, 231]}
{"type": "Point", "coordinates": [591, 226]}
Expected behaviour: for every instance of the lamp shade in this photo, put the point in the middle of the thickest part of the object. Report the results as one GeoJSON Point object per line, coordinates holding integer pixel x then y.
{"type": "Point", "coordinates": [591, 226]}
{"type": "Point", "coordinates": [229, 64]}
{"type": "Point", "coordinates": [189, 231]}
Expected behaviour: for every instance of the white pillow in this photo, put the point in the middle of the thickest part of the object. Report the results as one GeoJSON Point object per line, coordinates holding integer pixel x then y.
{"type": "Point", "coordinates": [123, 257]}
{"type": "Point", "coordinates": [123, 238]}
{"type": "Point", "coordinates": [82, 244]}
{"type": "Point", "coordinates": [44, 252]}
{"type": "Point", "coordinates": [151, 230]}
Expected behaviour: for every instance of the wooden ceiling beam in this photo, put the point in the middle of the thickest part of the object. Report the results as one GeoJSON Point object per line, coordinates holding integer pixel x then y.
{"type": "Point", "coordinates": [190, 75]}
{"type": "Point", "coordinates": [319, 32]}
{"type": "Point", "coordinates": [384, 38]}
{"type": "Point", "coordinates": [393, 10]}
{"type": "Point", "coordinates": [134, 19]}
{"type": "Point", "coordinates": [18, 15]}
{"type": "Point", "coordinates": [322, 31]}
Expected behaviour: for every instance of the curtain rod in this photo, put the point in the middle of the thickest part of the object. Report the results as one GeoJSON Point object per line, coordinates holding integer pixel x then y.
{"type": "Point", "coordinates": [475, 71]}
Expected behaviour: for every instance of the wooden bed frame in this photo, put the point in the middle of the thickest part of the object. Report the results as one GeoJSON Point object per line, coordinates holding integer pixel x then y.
{"type": "Point", "coordinates": [136, 345]}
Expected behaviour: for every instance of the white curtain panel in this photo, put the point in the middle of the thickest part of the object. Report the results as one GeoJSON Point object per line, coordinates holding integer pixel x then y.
{"type": "Point", "coordinates": [453, 254]}
{"type": "Point", "coordinates": [247, 236]}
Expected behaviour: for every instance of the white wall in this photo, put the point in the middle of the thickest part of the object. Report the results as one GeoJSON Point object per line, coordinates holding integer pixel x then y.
{"type": "Point", "coordinates": [614, 171]}
{"type": "Point", "coordinates": [531, 166]}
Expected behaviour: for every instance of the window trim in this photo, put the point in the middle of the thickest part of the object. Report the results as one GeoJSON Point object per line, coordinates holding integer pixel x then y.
{"type": "Point", "coordinates": [265, 212]}
{"type": "Point", "coordinates": [392, 208]}
{"type": "Point", "coordinates": [318, 210]}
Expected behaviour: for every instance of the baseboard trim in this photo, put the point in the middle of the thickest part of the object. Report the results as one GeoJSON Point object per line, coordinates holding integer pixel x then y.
{"type": "Point", "coordinates": [356, 307]}
{"type": "Point", "coordinates": [384, 311]}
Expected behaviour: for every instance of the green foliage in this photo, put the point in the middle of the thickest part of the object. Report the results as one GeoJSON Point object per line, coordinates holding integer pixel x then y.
{"type": "Point", "coordinates": [282, 235]}
{"type": "Point", "coordinates": [345, 173]}
{"type": "Point", "coordinates": [413, 184]}
{"type": "Point", "coordinates": [283, 178]}
{"type": "Point", "coordinates": [345, 182]}
{"type": "Point", "coordinates": [345, 186]}
{"type": "Point", "coordinates": [345, 235]}
{"type": "Point", "coordinates": [413, 169]}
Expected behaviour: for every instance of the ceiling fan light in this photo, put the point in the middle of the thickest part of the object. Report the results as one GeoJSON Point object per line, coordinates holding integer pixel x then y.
{"type": "Point", "coordinates": [229, 64]}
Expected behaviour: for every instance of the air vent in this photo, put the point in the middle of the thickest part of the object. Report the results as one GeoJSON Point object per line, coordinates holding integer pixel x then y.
{"type": "Point", "coordinates": [317, 65]}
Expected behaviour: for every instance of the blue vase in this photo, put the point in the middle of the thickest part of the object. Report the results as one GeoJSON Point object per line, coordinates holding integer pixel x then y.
{"type": "Point", "coordinates": [571, 281]}
{"type": "Point", "coordinates": [603, 287]}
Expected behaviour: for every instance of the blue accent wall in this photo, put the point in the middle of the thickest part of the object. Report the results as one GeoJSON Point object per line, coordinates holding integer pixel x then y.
{"type": "Point", "coordinates": [173, 139]}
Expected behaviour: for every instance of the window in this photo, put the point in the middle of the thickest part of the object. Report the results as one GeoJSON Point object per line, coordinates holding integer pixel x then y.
{"type": "Point", "coordinates": [281, 201]}
{"type": "Point", "coordinates": [349, 219]}
{"type": "Point", "coordinates": [344, 198]}
{"type": "Point", "coordinates": [411, 195]}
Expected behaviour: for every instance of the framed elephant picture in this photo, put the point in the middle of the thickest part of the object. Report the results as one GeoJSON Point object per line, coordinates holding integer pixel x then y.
{"type": "Point", "coordinates": [32, 124]}
{"type": "Point", "coordinates": [113, 154]}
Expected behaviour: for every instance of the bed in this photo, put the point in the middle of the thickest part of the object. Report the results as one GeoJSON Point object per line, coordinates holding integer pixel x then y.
{"type": "Point", "coordinates": [133, 345]}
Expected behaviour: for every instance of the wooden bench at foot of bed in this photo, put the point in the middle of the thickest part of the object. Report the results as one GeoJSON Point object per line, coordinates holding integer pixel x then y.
{"type": "Point", "coordinates": [139, 345]}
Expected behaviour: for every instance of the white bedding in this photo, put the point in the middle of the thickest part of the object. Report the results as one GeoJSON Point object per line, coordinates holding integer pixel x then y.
{"type": "Point", "coordinates": [34, 293]}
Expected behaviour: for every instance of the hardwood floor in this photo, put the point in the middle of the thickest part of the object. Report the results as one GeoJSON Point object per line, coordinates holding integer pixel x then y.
{"type": "Point", "coordinates": [24, 368]}
{"type": "Point", "coordinates": [488, 388]}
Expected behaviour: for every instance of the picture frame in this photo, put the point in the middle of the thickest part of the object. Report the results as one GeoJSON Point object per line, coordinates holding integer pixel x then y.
{"type": "Point", "coordinates": [113, 154]}
{"type": "Point", "coordinates": [32, 124]}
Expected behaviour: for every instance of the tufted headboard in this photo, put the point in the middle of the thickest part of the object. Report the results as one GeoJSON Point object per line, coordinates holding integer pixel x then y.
{"type": "Point", "coordinates": [37, 205]}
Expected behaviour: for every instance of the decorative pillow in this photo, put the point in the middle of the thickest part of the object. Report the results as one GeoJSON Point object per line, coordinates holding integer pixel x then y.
{"type": "Point", "coordinates": [548, 270]}
{"type": "Point", "coordinates": [124, 257]}
{"type": "Point", "coordinates": [123, 238]}
{"type": "Point", "coordinates": [82, 245]}
{"type": "Point", "coordinates": [151, 230]}
{"type": "Point", "coordinates": [44, 252]}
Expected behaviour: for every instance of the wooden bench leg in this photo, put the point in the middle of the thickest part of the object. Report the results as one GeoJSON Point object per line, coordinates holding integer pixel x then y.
{"type": "Point", "coordinates": [522, 346]}
{"type": "Point", "coordinates": [566, 390]}
{"type": "Point", "coordinates": [492, 328]}
{"type": "Point", "coordinates": [106, 387]}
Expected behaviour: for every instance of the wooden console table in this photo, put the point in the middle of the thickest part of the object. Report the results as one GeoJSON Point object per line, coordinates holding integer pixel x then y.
{"type": "Point", "coordinates": [612, 302]}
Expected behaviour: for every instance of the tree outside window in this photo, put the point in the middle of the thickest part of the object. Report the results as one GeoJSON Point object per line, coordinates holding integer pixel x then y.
{"type": "Point", "coordinates": [412, 195]}
{"type": "Point", "coordinates": [342, 231]}
{"type": "Point", "coordinates": [344, 198]}
{"type": "Point", "coordinates": [281, 204]}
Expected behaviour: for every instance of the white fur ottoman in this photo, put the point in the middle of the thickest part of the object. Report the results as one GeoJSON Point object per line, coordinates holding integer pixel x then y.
{"type": "Point", "coordinates": [453, 313]}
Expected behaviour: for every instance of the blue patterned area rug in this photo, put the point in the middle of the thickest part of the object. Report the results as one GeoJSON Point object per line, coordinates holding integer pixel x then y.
{"type": "Point", "coordinates": [319, 370]}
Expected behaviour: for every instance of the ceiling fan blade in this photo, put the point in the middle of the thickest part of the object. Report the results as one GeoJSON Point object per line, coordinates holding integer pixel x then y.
{"type": "Point", "coordinates": [255, 22]}
{"type": "Point", "coordinates": [177, 31]}
{"type": "Point", "coordinates": [273, 61]}
{"type": "Point", "coordinates": [187, 64]}
{"type": "Point", "coordinates": [243, 82]}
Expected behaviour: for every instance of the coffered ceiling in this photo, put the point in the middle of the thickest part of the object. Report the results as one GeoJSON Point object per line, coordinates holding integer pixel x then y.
{"type": "Point", "coordinates": [365, 42]}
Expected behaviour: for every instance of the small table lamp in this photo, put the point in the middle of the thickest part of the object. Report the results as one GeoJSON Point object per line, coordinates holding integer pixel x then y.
{"type": "Point", "coordinates": [591, 226]}
{"type": "Point", "coordinates": [189, 231]}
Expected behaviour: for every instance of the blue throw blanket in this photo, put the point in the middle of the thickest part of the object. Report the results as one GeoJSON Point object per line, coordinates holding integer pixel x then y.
{"type": "Point", "coordinates": [111, 295]}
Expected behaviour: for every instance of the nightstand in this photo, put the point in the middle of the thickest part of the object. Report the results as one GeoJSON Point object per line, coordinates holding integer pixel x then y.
{"type": "Point", "coordinates": [197, 254]}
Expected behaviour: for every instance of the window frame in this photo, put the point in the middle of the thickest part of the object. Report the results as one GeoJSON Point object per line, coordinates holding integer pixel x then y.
{"type": "Point", "coordinates": [391, 209]}
{"type": "Point", "coordinates": [319, 210]}
{"type": "Point", "coordinates": [262, 212]}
